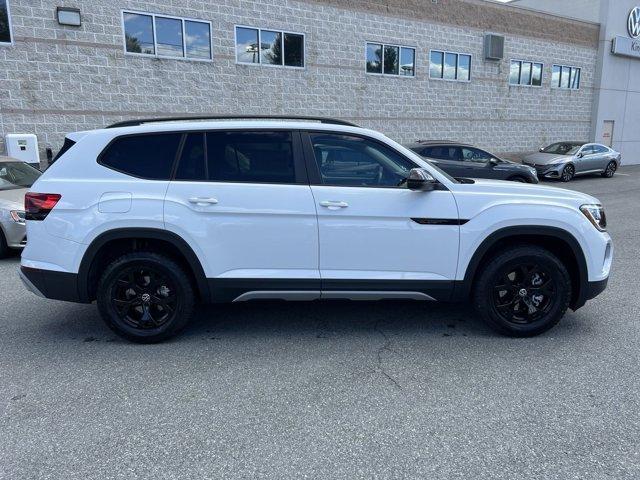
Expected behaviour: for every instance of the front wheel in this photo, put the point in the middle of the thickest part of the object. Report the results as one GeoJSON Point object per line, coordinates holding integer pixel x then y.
{"type": "Point", "coordinates": [523, 291]}
{"type": "Point", "coordinates": [568, 173]}
{"type": "Point", "coordinates": [610, 170]}
{"type": "Point", "coordinates": [145, 297]}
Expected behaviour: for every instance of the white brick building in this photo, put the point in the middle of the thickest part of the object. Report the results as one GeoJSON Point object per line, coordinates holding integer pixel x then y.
{"type": "Point", "coordinates": [58, 78]}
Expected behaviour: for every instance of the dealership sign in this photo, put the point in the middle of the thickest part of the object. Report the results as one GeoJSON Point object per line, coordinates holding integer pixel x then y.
{"type": "Point", "coordinates": [633, 23]}
{"type": "Point", "coordinates": [626, 47]}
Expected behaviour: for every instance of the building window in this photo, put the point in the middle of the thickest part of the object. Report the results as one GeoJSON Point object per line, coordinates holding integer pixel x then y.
{"type": "Point", "coordinates": [269, 47]}
{"type": "Point", "coordinates": [385, 59]}
{"type": "Point", "coordinates": [565, 77]}
{"type": "Point", "coordinates": [5, 23]}
{"type": "Point", "coordinates": [525, 73]}
{"type": "Point", "coordinates": [450, 66]}
{"type": "Point", "coordinates": [168, 37]}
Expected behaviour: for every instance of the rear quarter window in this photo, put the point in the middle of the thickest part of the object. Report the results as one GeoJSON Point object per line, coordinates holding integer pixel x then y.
{"type": "Point", "coordinates": [149, 156]}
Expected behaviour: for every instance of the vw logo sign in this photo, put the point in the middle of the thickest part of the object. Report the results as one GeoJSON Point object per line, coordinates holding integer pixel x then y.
{"type": "Point", "coordinates": [633, 24]}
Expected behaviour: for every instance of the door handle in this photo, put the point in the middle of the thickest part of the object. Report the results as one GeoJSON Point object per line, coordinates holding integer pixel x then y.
{"type": "Point", "coordinates": [203, 200]}
{"type": "Point", "coordinates": [333, 205]}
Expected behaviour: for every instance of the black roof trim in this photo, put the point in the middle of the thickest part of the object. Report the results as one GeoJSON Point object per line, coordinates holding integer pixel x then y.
{"type": "Point", "coordinates": [136, 122]}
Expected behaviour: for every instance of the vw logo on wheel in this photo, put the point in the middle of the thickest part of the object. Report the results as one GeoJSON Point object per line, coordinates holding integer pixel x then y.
{"type": "Point", "coordinates": [633, 25]}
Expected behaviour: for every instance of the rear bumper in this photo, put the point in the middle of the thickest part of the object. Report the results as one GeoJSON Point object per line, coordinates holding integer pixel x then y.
{"type": "Point", "coordinates": [15, 234]}
{"type": "Point", "coordinates": [51, 284]}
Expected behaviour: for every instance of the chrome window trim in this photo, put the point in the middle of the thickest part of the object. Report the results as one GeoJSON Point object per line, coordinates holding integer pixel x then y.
{"type": "Point", "coordinates": [400, 47]}
{"type": "Point", "coordinates": [155, 41]}
{"type": "Point", "coordinates": [259, 62]}
{"type": "Point", "coordinates": [444, 54]}
{"type": "Point", "coordinates": [11, 41]}
{"type": "Point", "coordinates": [519, 84]}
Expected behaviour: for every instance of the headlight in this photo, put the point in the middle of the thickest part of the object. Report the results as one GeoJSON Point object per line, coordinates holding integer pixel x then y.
{"type": "Point", "coordinates": [17, 216]}
{"type": "Point", "coordinates": [595, 214]}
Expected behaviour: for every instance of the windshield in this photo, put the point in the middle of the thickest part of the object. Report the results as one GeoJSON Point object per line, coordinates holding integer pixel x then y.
{"type": "Point", "coordinates": [17, 175]}
{"type": "Point", "coordinates": [563, 148]}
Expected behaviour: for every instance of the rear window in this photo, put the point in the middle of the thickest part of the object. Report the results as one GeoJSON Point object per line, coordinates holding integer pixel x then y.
{"type": "Point", "coordinates": [255, 157]}
{"type": "Point", "coordinates": [144, 156]}
{"type": "Point", "coordinates": [441, 153]}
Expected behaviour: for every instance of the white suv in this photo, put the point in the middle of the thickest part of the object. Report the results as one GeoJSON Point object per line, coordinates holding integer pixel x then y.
{"type": "Point", "coordinates": [150, 217]}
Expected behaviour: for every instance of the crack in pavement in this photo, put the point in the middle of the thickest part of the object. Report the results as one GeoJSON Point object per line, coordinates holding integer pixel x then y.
{"type": "Point", "coordinates": [385, 347]}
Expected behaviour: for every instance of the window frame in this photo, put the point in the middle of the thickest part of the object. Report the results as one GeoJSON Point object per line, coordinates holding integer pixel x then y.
{"type": "Point", "coordinates": [533, 63]}
{"type": "Point", "coordinates": [313, 169]}
{"type": "Point", "coordinates": [277, 30]}
{"type": "Point", "coordinates": [571, 70]}
{"type": "Point", "coordinates": [444, 56]}
{"type": "Point", "coordinates": [399, 47]}
{"type": "Point", "coordinates": [155, 39]}
{"type": "Point", "coordinates": [11, 41]}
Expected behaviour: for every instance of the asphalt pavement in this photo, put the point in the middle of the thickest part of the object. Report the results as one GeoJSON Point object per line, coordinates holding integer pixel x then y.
{"type": "Point", "coordinates": [329, 390]}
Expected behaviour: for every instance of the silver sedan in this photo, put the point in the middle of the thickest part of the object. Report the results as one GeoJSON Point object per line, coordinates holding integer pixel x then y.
{"type": "Point", "coordinates": [15, 179]}
{"type": "Point", "coordinates": [565, 160]}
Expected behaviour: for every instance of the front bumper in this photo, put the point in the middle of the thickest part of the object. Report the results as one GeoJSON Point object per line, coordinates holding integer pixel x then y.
{"type": "Point", "coordinates": [547, 171]}
{"type": "Point", "coordinates": [51, 284]}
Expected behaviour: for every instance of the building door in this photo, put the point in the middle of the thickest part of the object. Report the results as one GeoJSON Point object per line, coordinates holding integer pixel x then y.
{"type": "Point", "coordinates": [607, 133]}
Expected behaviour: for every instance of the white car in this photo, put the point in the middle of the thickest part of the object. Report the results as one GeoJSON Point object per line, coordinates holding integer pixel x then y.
{"type": "Point", "coordinates": [150, 217]}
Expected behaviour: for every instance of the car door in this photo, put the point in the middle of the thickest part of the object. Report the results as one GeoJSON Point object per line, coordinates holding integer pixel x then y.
{"type": "Point", "coordinates": [242, 200]}
{"type": "Point", "coordinates": [477, 163]}
{"type": "Point", "coordinates": [584, 161]}
{"type": "Point", "coordinates": [375, 234]}
{"type": "Point", "coordinates": [601, 158]}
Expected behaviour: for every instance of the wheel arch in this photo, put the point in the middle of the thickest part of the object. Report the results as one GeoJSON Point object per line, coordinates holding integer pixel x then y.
{"type": "Point", "coordinates": [560, 242]}
{"type": "Point", "coordinates": [124, 240]}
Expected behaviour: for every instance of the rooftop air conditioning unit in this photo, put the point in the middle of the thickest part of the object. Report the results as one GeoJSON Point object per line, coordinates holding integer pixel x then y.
{"type": "Point", "coordinates": [493, 47]}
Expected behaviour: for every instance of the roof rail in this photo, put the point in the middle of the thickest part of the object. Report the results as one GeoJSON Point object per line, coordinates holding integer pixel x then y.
{"type": "Point", "coordinates": [133, 123]}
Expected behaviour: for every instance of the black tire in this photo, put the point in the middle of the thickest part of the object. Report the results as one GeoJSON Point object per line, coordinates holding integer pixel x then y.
{"type": "Point", "coordinates": [568, 173]}
{"type": "Point", "coordinates": [4, 250]}
{"type": "Point", "coordinates": [515, 282]}
{"type": "Point", "coordinates": [610, 171]}
{"type": "Point", "coordinates": [145, 297]}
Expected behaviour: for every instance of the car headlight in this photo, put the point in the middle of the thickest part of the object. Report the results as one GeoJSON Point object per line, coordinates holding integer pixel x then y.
{"type": "Point", "coordinates": [17, 216]}
{"type": "Point", "coordinates": [595, 214]}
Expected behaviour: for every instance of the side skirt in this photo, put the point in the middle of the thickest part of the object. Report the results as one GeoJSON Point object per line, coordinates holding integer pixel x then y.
{"type": "Point", "coordinates": [225, 290]}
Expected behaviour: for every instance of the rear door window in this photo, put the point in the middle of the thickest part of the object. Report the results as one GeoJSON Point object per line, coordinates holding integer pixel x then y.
{"type": "Point", "coordinates": [442, 153]}
{"type": "Point", "coordinates": [144, 156]}
{"type": "Point", "coordinates": [256, 157]}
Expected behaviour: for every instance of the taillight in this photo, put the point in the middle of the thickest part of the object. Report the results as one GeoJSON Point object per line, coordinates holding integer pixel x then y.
{"type": "Point", "coordinates": [38, 205]}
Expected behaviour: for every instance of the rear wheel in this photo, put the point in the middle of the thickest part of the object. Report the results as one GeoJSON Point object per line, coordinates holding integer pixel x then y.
{"type": "Point", "coordinates": [568, 173]}
{"type": "Point", "coordinates": [4, 250]}
{"type": "Point", "coordinates": [610, 170]}
{"type": "Point", "coordinates": [523, 291]}
{"type": "Point", "coordinates": [145, 297]}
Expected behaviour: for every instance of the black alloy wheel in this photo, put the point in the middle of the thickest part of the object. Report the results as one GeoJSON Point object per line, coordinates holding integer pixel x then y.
{"type": "Point", "coordinates": [145, 297]}
{"type": "Point", "coordinates": [568, 173]}
{"type": "Point", "coordinates": [522, 291]}
{"type": "Point", "coordinates": [610, 170]}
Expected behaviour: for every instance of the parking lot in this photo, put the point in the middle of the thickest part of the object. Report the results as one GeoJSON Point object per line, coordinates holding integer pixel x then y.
{"type": "Point", "coordinates": [329, 390]}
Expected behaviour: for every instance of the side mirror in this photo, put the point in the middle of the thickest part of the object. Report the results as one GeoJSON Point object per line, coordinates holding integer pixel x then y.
{"type": "Point", "coordinates": [493, 162]}
{"type": "Point", "coordinates": [541, 149]}
{"type": "Point", "coordinates": [419, 180]}
{"type": "Point", "coordinates": [580, 155]}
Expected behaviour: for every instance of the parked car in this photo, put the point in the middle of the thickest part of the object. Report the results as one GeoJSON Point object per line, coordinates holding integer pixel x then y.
{"type": "Point", "coordinates": [565, 160]}
{"type": "Point", "coordinates": [151, 217]}
{"type": "Point", "coordinates": [462, 160]}
{"type": "Point", "coordinates": [15, 179]}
